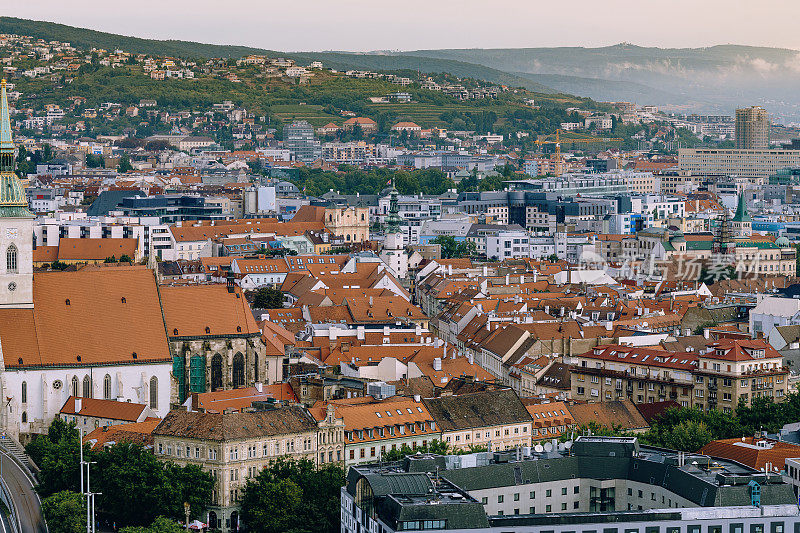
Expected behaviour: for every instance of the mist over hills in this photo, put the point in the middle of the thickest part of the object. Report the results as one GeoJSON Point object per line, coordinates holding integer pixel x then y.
{"type": "Point", "coordinates": [714, 79]}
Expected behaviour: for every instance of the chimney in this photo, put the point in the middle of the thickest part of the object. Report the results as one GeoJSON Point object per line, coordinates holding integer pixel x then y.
{"type": "Point", "coordinates": [508, 279]}
{"type": "Point", "coordinates": [417, 398]}
{"type": "Point", "coordinates": [485, 271]}
{"type": "Point", "coordinates": [609, 325]}
{"type": "Point", "coordinates": [706, 333]}
{"type": "Point", "coordinates": [449, 270]}
{"type": "Point", "coordinates": [370, 301]}
{"type": "Point", "coordinates": [259, 387]}
{"type": "Point", "coordinates": [78, 404]}
{"type": "Point", "coordinates": [437, 364]}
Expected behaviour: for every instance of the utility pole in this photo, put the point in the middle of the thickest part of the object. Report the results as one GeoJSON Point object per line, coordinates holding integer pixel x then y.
{"type": "Point", "coordinates": [85, 490]}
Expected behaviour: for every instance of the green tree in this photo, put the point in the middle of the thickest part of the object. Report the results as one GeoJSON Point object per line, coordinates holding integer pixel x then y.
{"type": "Point", "coordinates": [124, 164]}
{"type": "Point", "coordinates": [161, 524]}
{"type": "Point", "coordinates": [293, 496]}
{"type": "Point", "coordinates": [451, 248]}
{"type": "Point", "coordinates": [125, 258]}
{"type": "Point", "coordinates": [95, 161]}
{"type": "Point", "coordinates": [268, 298]}
{"type": "Point", "coordinates": [65, 512]}
{"type": "Point", "coordinates": [57, 454]}
{"type": "Point", "coordinates": [136, 487]}
{"type": "Point", "coordinates": [112, 259]}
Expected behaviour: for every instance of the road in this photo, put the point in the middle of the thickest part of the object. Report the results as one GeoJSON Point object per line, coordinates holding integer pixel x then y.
{"type": "Point", "coordinates": [25, 499]}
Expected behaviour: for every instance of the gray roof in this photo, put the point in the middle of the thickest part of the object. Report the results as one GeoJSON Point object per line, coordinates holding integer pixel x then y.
{"type": "Point", "coordinates": [477, 410]}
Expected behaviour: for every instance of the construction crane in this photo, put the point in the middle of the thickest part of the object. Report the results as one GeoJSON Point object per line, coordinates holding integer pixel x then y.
{"type": "Point", "coordinates": [555, 138]}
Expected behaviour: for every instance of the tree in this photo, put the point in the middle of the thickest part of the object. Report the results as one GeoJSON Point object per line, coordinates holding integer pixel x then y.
{"type": "Point", "coordinates": [161, 524]}
{"type": "Point", "coordinates": [268, 298]}
{"type": "Point", "coordinates": [124, 164]}
{"type": "Point", "coordinates": [136, 487]}
{"type": "Point", "coordinates": [125, 258]}
{"type": "Point", "coordinates": [57, 454]}
{"type": "Point", "coordinates": [293, 496]}
{"type": "Point", "coordinates": [450, 248]}
{"type": "Point", "coordinates": [95, 161]}
{"type": "Point", "coordinates": [65, 512]}
{"type": "Point", "coordinates": [112, 259]}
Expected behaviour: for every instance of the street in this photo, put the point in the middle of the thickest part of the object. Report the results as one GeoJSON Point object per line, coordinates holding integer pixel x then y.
{"type": "Point", "coordinates": [25, 498]}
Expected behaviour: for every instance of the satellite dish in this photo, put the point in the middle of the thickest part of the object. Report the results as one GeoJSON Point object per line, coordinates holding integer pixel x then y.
{"type": "Point", "coordinates": [568, 444]}
{"type": "Point", "coordinates": [548, 447]}
{"type": "Point", "coordinates": [538, 448]}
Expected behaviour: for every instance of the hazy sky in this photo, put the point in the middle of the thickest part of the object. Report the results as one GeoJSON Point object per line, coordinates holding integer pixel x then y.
{"type": "Point", "coordinates": [293, 25]}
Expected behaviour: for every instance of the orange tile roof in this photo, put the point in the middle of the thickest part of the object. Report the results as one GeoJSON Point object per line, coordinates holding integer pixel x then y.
{"type": "Point", "coordinates": [87, 317]}
{"type": "Point", "coordinates": [238, 399]}
{"type": "Point", "coordinates": [70, 249]}
{"type": "Point", "coordinates": [134, 433]}
{"type": "Point", "coordinates": [43, 254]}
{"type": "Point", "coordinates": [206, 310]}
{"type": "Point", "coordinates": [747, 451]}
{"type": "Point", "coordinates": [110, 409]}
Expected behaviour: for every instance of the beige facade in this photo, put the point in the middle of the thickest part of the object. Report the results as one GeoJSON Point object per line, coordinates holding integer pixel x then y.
{"type": "Point", "coordinates": [238, 448]}
{"type": "Point", "coordinates": [752, 128]}
{"type": "Point", "coordinates": [755, 164]}
{"type": "Point", "coordinates": [352, 223]}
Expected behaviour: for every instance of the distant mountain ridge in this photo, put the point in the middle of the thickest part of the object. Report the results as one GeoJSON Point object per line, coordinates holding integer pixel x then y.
{"type": "Point", "coordinates": [715, 79]}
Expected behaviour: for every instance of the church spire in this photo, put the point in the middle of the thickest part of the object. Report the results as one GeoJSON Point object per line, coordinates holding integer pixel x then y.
{"type": "Point", "coordinates": [12, 196]}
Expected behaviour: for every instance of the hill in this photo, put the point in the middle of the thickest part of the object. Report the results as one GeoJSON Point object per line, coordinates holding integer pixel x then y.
{"type": "Point", "coordinates": [86, 39]}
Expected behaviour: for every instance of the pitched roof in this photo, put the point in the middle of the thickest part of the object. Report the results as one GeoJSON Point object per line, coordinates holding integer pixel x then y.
{"type": "Point", "coordinates": [134, 433]}
{"type": "Point", "coordinates": [235, 426]}
{"type": "Point", "coordinates": [74, 249]}
{"type": "Point", "coordinates": [223, 313]}
{"type": "Point", "coordinates": [111, 409]}
{"type": "Point", "coordinates": [238, 399]}
{"type": "Point", "coordinates": [622, 414]}
{"type": "Point", "coordinates": [753, 452]}
{"type": "Point", "coordinates": [87, 317]}
{"type": "Point", "coordinates": [477, 410]}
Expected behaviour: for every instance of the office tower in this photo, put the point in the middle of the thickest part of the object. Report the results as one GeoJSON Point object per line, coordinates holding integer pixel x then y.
{"type": "Point", "coordinates": [299, 138]}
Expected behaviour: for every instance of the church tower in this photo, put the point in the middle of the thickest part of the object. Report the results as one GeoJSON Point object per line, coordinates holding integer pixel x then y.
{"type": "Point", "coordinates": [742, 223]}
{"type": "Point", "coordinates": [393, 253]}
{"type": "Point", "coordinates": [16, 223]}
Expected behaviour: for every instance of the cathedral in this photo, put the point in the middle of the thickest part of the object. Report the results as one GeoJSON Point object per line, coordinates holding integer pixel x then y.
{"type": "Point", "coordinates": [109, 332]}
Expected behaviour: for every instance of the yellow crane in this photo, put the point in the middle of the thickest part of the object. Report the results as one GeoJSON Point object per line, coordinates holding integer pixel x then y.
{"type": "Point", "coordinates": [555, 138]}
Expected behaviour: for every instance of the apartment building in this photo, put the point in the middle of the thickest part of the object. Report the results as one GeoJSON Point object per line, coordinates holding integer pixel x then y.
{"type": "Point", "coordinates": [236, 446]}
{"type": "Point", "coordinates": [643, 375]}
{"type": "Point", "coordinates": [372, 428]}
{"type": "Point", "coordinates": [757, 165]}
{"type": "Point", "coordinates": [730, 371]}
{"type": "Point", "coordinates": [496, 419]}
{"type": "Point", "coordinates": [752, 128]}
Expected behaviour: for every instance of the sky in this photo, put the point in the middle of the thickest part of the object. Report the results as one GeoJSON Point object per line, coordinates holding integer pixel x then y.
{"type": "Point", "coordinates": [363, 25]}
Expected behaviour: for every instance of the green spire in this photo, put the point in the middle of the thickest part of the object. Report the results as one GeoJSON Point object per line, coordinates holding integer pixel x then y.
{"type": "Point", "coordinates": [393, 221]}
{"type": "Point", "coordinates": [741, 211]}
{"type": "Point", "coordinates": [12, 196]}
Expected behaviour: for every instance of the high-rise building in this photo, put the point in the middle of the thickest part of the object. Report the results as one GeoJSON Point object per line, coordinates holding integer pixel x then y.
{"type": "Point", "coordinates": [752, 128]}
{"type": "Point", "coordinates": [298, 137]}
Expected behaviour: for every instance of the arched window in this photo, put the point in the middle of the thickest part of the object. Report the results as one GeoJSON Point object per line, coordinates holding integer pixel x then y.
{"type": "Point", "coordinates": [24, 417]}
{"type": "Point", "coordinates": [74, 389]}
{"type": "Point", "coordinates": [87, 387]}
{"type": "Point", "coordinates": [11, 259]}
{"type": "Point", "coordinates": [154, 393]}
{"type": "Point", "coordinates": [107, 387]}
{"type": "Point", "coordinates": [24, 392]}
{"type": "Point", "coordinates": [238, 371]}
{"type": "Point", "coordinates": [216, 372]}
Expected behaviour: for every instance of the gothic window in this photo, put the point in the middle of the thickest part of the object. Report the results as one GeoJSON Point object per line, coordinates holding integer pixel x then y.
{"type": "Point", "coordinates": [255, 367]}
{"type": "Point", "coordinates": [87, 387]}
{"type": "Point", "coordinates": [216, 372]}
{"type": "Point", "coordinates": [24, 417]}
{"type": "Point", "coordinates": [153, 392]}
{"type": "Point", "coordinates": [24, 392]}
{"type": "Point", "coordinates": [11, 259]}
{"type": "Point", "coordinates": [74, 389]}
{"type": "Point", "coordinates": [107, 387]}
{"type": "Point", "coordinates": [238, 371]}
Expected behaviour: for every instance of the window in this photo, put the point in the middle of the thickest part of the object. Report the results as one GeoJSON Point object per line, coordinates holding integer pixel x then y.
{"type": "Point", "coordinates": [11, 259]}
{"type": "Point", "coordinates": [87, 387]}
{"type": "Point", "coordinates": [107, 387]}
{"type": "Point", "coordinates": [548, 508]}
{"type": "Point", "coordinates": [533, 495]}
{"type": "Point", "coordinates": [500, 498]}
{"type": "Point", "coordinates": [564, 506]}
{"type": "Point", "coordinates": [516, 496]}
{"type": "Point", "coordinates": [564, 491]}
{"type": "Point", "coordinates": [153, 392]}
{"type": "Point", "coordinates": [24, 392]}
{"type": "Point", "coordinates": [484, 500]}
{"type": "Point", "coordinates": [548, 493]}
